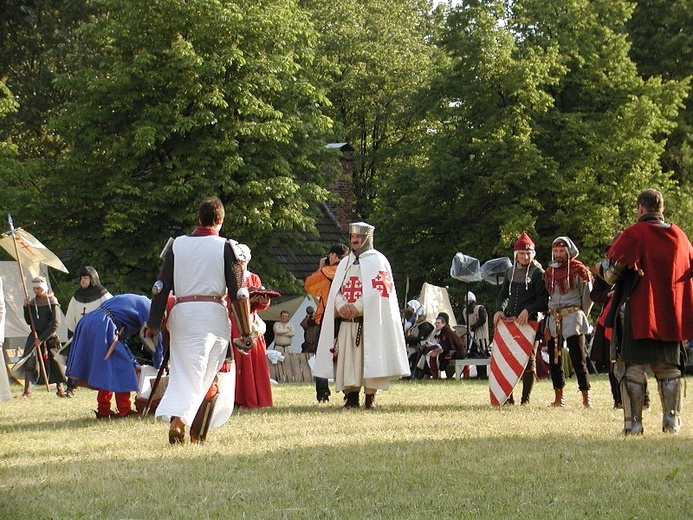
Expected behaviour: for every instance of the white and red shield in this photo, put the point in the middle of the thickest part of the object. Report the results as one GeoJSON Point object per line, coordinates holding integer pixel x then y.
{"type": "Point", "coordinates": [512, 347]}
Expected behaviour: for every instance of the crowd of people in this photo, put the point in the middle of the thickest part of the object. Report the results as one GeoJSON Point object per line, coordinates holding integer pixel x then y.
{"type": "Point", "coordinates": [203, 321]}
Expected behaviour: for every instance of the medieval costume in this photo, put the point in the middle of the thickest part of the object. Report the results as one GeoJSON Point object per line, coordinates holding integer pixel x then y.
{"type": "Point", "coordinates": [476, 319]}
{"type": "Point", "coordinates": [200, 268]}
{"type": "Point", "coordinates": [85, 300]}
{"type": "Point", "coordinates": [253, 388]}
{"type": "Point", "coordinates": [651, 263]}
{"type": "Point", "coordinates": [601, 343]}
{"type": "Point", "coordinates": [568, 283]}
{"type": "Point", "coordinates": [42, 314]}
{"type": "Point", "coordinates": [452, 344]}
{"type": "Point", "coordinates": [100, 357]}
{"type": "Point", "coordinates": [524, 290]}
{"type": "Point", "coordinates": [370, 348]}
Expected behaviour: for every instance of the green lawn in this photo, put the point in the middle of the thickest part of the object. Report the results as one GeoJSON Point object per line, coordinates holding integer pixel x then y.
{"type": "Point", "coordinates": [434, 449]}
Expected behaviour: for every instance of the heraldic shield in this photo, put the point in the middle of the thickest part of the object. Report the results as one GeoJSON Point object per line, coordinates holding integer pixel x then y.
{"type": "Point", "coordinates": [512, 347]}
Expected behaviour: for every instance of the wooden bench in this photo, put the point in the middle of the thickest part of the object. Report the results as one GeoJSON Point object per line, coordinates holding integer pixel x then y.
{"type": "Point", "coordinates": [461, 363]}
{"type": "Point", "coordinates": [293, 369]}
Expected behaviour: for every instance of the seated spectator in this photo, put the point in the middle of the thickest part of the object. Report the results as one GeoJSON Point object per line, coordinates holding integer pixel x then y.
{"type": "Point", "coordinates": [453, 346]}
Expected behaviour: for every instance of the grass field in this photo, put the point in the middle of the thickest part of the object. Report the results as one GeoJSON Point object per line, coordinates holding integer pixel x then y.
{"type": "Point", "coordinates": [434, 449]}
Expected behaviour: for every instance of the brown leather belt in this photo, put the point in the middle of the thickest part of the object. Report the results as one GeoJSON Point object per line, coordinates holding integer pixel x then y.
{"type": "Point", "coordinates": [357, 319]}
{"type": "Point", "coordinates": [200, 298]}
{"type": "Point", "coordinates": [559, 315]}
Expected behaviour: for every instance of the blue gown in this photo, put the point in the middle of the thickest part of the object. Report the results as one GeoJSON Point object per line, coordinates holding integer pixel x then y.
{"type": "Point", "coordinates": [93, 337]}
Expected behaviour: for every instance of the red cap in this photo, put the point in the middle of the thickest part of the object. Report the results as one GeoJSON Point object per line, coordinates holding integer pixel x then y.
{"type": "Point", "coordinates": [524, 243]}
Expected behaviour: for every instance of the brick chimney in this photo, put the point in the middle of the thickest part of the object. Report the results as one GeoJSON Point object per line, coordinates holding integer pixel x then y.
{"type": "Point", "coordinates": [343, 186]}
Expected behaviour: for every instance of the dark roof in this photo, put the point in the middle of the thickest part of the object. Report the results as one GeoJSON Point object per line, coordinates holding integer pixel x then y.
{"type": "Point", "coordinates": [304, 260]}
{"type": "Point", "coordinates": [344, 147]}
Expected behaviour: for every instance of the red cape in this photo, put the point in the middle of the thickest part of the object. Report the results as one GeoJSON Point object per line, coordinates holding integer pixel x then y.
{"type": "Point", "coordinates": [662, 301]}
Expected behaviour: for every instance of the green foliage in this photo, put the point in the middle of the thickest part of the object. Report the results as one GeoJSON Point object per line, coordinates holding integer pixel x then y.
{"type": "Point", "coordinates": [662, 46]}
{"type": "Point", "coordinates": [380, 56]}
{"type": "Point", "coordinates": [172, 101]}
{"type": "Point", "coordinates": [546, 127]}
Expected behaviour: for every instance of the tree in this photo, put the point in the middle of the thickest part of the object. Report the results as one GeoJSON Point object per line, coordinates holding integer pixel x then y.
{"type": "Point", "coordinates": [380, 55]}
{"type": "Point", "coordinates": [172, 101]}
{"type": "Point", "coordinates": [545, 126]}
{"type": "Point", "coordinates": [33, 35]}
{"type": "Point", "coordinates": [662, 46]}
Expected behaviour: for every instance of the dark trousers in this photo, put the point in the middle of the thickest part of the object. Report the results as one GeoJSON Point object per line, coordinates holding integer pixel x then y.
{"type": "Point", "coordinates": [576, 349]}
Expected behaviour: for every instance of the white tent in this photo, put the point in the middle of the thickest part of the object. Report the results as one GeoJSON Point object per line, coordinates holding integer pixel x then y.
{"type": "Point", "coordinates": [297, 311]}
{"type": "Point", "coordinates": [435, 300]}
{"type": "Point", "coordinates": [16, 329]}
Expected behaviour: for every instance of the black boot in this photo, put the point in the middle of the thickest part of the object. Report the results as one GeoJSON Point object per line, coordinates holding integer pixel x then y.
{"type": "Point", "coordinates": [370, 402]}
{"type": "Point", "coordinates": [527, 385]}
{"type": "Point", "coordinates": [351, 400]}
{"type": "Point", "coordinates": [322, 390]}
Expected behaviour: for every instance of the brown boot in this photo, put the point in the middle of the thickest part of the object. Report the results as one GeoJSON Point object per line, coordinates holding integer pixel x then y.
{"type": "Point", "coordinates": [558, 402]}
{"type": "Point", "coordinates": [370, 402]}
{"type": "Point", "coordinates": [176, 433]}
{"type": "Point", "coordinates": [586, 399]}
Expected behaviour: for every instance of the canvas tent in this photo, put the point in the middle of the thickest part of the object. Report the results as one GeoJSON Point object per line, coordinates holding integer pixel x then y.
{"type": "Point", "coordinates": [16, 329]}
{"type": "Point", "coordinates": [435, 300]}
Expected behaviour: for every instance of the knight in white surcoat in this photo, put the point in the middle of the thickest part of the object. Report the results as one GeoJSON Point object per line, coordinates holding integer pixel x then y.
{"type": "Point", "coordinates": [369, 349]}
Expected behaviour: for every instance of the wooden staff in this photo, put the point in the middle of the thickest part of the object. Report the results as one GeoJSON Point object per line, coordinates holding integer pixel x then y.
{"type": "Point", "coordinates": [39, 352]}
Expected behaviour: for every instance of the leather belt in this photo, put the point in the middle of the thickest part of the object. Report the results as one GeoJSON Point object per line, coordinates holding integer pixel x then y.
{"type": "Point", "coordinates": [559, 315]}
{"type": "Point", "coordinates": [200, 298]}
{"type": "Point", "coordinates": [357, 319]}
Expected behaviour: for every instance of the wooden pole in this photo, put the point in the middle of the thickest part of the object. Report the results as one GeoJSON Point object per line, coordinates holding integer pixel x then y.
{"type": "Point", "coordinates": [39, 352]}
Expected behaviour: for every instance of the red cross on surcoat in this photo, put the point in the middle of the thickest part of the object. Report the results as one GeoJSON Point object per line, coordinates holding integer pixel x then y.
{"type": "Point", "coordinates": [352, 290]}
{"type": "Point", "coordinates": [383, 283]}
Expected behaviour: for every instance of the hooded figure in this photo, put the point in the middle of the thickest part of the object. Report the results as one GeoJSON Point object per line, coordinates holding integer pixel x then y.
{"type": "Point", "coordinates": [88, 296]}
{"type": "Point", "coordinates": [568, 282]}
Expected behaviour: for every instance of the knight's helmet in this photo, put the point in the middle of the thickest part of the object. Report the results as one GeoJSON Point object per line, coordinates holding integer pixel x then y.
{"type": "Point", "coordinates": [366, 230]}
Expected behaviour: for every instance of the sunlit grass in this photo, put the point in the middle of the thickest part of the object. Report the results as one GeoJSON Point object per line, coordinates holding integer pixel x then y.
{"type": "Point", "coordinates": [432, 449]}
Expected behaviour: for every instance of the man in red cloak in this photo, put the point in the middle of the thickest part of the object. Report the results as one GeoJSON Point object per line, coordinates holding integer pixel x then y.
{"type": "Point", "coordinates": [651, 264]}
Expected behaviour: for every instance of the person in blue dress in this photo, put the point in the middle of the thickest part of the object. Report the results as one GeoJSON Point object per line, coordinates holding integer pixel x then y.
{"type": "Point", "coordinates": [100, 357]}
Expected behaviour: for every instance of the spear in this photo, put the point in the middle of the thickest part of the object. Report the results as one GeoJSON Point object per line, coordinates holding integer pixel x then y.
{"type": "Point", "coordinates": [26, 296]}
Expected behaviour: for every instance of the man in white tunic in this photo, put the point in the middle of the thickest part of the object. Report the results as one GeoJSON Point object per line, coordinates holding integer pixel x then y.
{"type": "Point", "coordinates": [199, 269]}
{"type": "Point", "coordinates": [370, 348]}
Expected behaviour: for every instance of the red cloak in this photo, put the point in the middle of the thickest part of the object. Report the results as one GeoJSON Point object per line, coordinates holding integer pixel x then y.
{"type": "Point", "coordinates": [662, 300]}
